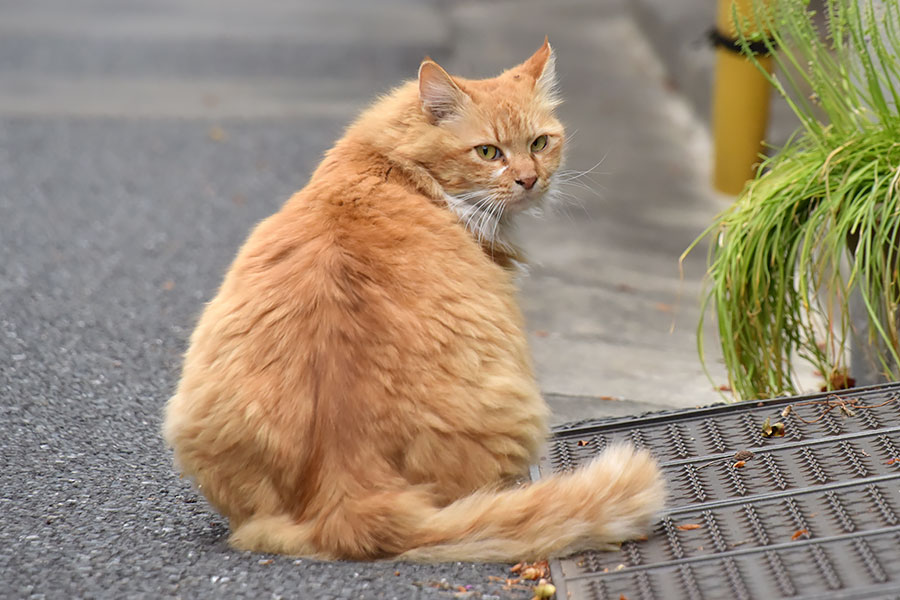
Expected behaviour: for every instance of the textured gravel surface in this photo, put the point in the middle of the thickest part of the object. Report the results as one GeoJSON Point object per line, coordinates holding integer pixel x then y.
{"type": "Point", "coordinates": [139, 143]}
{"type": "Point", "coordinates": [113, 233]}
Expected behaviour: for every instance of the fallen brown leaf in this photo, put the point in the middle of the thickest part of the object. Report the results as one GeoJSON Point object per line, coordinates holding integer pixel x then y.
{"type": "Point", "coordinates": [743, 455]}
{"type": "Point", "coordinates": [738, 465]}
{"type": "Point", "coordinates": [799, 533]}
{"type": "Point", "coordinates": [688, 526]}
{"type": "Point", "coordinates": [770, 429]}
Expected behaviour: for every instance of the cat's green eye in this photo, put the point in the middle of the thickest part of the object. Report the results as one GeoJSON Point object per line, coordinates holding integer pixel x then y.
{"type": "Point", "coordinates": [488, 152]}
{"type": "Point", "coordinates": [539, 143]}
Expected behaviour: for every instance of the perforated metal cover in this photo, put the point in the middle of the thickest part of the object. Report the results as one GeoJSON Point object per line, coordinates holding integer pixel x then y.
{"type": "Point", "coordinates": [813, 514]}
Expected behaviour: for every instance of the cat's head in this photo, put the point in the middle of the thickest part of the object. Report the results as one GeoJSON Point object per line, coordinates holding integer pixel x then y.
{"type": "Point", "coordinates": [494, 144]}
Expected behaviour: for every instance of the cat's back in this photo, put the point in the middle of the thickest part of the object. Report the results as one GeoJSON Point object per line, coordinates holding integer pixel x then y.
{"type": "Point", "coordinates": [356, 259]}
{"type": "Point", "coordinates": [358, 227]}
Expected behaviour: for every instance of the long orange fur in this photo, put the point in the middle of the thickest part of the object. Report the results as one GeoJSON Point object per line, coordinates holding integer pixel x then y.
{"type": "Point", "coordinates": [360, 387]}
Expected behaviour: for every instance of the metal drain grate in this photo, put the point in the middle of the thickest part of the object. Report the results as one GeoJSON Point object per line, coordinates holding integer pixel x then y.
{"type": "Point", "coordinates": [813, 514]}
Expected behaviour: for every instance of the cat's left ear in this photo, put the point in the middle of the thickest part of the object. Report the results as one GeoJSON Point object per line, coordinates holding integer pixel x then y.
{"type": "Point", "coordinates": [542, 68]}
{"type": "Point", "coordinates": [439, 96]}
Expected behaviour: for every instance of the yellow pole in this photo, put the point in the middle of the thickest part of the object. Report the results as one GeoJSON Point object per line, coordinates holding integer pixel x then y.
{"type": "Point", "coordinates": [740, 104]}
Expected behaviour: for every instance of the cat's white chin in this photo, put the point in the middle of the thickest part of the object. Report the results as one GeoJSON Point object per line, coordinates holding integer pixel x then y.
{"type": "Point", "coordinates": [524, 202]}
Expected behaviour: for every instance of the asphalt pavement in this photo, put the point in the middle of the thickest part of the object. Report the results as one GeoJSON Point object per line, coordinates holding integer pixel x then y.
{"type": "Point", "coordinates": [140, 142]}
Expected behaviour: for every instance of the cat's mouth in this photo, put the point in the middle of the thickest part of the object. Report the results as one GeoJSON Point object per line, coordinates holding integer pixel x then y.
{"type": "Point", "coordinates": [525, 200]}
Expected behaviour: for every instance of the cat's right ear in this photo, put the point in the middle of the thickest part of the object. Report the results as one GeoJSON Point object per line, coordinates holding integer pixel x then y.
{"type": "Point", "coordinates": [439, 96]}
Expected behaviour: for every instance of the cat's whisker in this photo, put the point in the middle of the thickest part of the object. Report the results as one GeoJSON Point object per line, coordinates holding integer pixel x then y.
{"type": "Point", "coordinates": [559, 193]}
{"type": "Point", "coordinates": [484, 222]}
{"type": "Point", "coordinates": [469, 195]}
{"type": "Point", "coordinates": [497, 218]}
{"type": "Point", "coordinates": [486, 218]}
{"type": "Point", "coordinates": [481, 226]}
{"type": "Point", "coordinates": [579, 179]}
{"type": "Point", "coordinates": [570, 197]}
{"type": "Point", "coordinates": [478, 207]}
{"type": "Point", "coordinates": [475, 217]}
{"type": "Point", "coordinates": [573, 175]}
{"type": "Point", "coordinates": [557, 200]}
{"type": "Point", "coordinates": [469, 214]}
{"type": "Point", "coordinates": [577, 173]}
{"type": "Point", "coordinates": [587, 182]}
{"type": "Point", "coordinates": [489, 221]}
{"type": "Point", "coordinates": [581, 186]}
{"type": "Point", "coordinates": [576, 183]}
{"type": "Point", "coordinates": [561, 201]}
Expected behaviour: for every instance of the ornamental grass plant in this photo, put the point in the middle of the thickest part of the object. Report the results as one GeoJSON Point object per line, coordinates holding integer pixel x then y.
{"type": "Point", "coordinates": [820, 222]}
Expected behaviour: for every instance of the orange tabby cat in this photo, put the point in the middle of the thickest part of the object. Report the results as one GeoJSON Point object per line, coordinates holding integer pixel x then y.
{"type": "Point", "coordinates": [361, 386]}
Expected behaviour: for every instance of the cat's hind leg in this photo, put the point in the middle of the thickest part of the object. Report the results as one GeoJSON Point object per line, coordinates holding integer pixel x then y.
{"type": "Point", "coordinates": [367, 526]}
{"type": "Point", "coordinates": [276, 534]}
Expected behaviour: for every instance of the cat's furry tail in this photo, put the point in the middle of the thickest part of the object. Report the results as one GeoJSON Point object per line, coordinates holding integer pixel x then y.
{"type": "Point", "coordinates": [612, 499]}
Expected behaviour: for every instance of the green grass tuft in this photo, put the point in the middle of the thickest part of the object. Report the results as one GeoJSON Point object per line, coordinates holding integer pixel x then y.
{"type": "Point", "coordinates": [820, 221]}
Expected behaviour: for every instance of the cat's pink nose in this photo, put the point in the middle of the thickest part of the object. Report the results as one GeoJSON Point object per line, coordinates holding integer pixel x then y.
{"type": "Point", "coordinates": [527, 182]}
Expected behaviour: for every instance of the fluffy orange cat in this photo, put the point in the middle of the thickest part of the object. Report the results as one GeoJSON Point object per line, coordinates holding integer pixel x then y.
{"type": "Point", "coordinates": [360, 387]}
